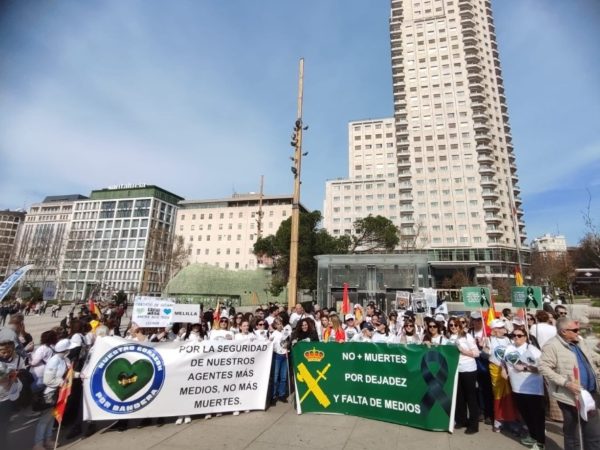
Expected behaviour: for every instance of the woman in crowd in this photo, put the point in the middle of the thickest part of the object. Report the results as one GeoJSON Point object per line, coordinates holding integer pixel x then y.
{"type": "Point", "coordinates": [408, 333]}
{"type": "Point", "coordinates": [193, 334]}
{"type": "Point", "coordinates": [245, 332]}
{"type": "Point", "coordinates": [53, 378]}
{"type": "Point", "coordinates": [305, 332]}
{"type": "Point", "coordinates": [504, 409]}
{"type": "Point", "coordinates": [280, 362]}
{"type": "Point", "coordinates": [382, 333]}
{"type": "Point", "coordinates": [543, 330]}
{"type": "Point", "coordinates": [324, 326]}
{"type": "Point", "coordinates": [261, 329]}
{"type": "Point", "coordinates": [334, 332]}
{"type": "Point", "coordinates": [237, 321]}
{"type": "Point", "coordinates": [40, 358]}
{"type": "Point", "coordinates": [467, 408]}
{"type": "Point", "coordinates": [434, 334]}
{"type": "Point", "coordinates": [26, 344]}
{"type": "Point", "coordinates": [10, 385]}
{"type": "Point", "coordinates": [528, 387]}
{"type": "Point", "coordinates": [222, 332]}
{"type": "Point", "coordinates": [350, 327]}
{"type": "Point", "coordinates": [393, 323]}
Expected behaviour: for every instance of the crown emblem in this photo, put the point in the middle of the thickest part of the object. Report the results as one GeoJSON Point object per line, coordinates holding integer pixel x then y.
{"type": "Point", "coordinates": [314, 355]}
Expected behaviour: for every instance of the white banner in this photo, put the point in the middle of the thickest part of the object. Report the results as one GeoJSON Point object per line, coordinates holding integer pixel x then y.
{"type": "Point", "coordinates": [128, 379]}
{"type": "Point", "coordinates": [152, 312]}
{"type": "Point", "coordinates": [186, 313]}
{"type": "Point", "coordinates": [430, 297]}
{"type": "Point", "coordinates": [11, 280]}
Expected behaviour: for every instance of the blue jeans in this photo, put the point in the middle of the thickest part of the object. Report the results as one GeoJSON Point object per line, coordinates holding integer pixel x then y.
{"type": "Point", "coordinates": [43, 429]}
{"type": "Point", "coordinates": [280, 375]}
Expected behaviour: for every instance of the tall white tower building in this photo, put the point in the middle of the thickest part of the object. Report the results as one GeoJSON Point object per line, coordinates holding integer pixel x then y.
{"type": "Point", "coordinates": [454, 145]}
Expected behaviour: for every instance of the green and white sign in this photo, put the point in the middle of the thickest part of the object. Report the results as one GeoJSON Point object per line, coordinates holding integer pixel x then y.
{"type": "Point", "coordinates": [476, 297]}
{"type": "Point", "coordinates": [529, 297]}
{"type": "Point", "coordinates": [412, 385]}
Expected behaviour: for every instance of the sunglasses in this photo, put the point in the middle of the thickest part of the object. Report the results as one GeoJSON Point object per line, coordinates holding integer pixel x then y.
{"type": "Point", "coordinates": [260, 324]}
{"type": "Point", "coordinates": [574, 330]}
{"type": "Point", "coordinates": [462, 321]}
{"type": "Point", "coordinates": [562, 313]}
{"type": "Point", "coordinates": [409, 325]}
{"type": "Point", "coordinates": [518, 335]}
{"type": "Point", "coordinates": [530, 318]}
{"type": "Point", "coordinates": [432, 326]}
{"type": "Point", "coordinates": [452, 325]}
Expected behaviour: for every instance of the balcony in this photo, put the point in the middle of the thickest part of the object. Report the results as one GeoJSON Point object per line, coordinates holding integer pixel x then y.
{"type": "Point", "coordinates": [480, 126]}
{"type": "Point", "coordinates": [408, 208]}
{"type": "Point", "coordinates": [472, 59]}
{"type": "Point", "coordinates": [469, 32]}
{"type": "Point", "coordinates": [400, 83]}
{"type": "Point", "coordinates": [483, 148]}
{"type": "Point", "coordinates": [487, 170]}
{"type": "Point", "coordinates": [491, 206]}
{"type": "Point", "coordinates": [404, 163]}
{"type": "Point", "coordinates": [471, 50]}
{"type": "Point", "coordinates": [482, 137]}
{"type": "Point", "coordinates": [478, 106]}
{"type": "Point", "coordinates": [473, 67]}
{"type": "Point", "coordinates": [492, 218]}
{"type": "Point", "coordinates": [493, 231]}
{"type": "Point", "coordinates": [485, 159]}
{"type": "Point", "coordinates": [488, 181]}
{"type": "Point", "coordinates": [480, 117]}
{"type": "Point", "coordinates": [489, 194]}
{"type": "Point", "coordinates": [474, 77]}
{"type": "Point", "coordinates": [471, 40]}
{"type": "Point", "coordinates": [402, 132]}
{"type": "Point", "coordinates": [466, 13]}
{"type": "Point", "coordinates": [478, 87]}
{"type": "Point", "coordinates": [404, 174]}
{"type": "Point", "coordinates": [467, 23]}
{"type": "Point", "coordinates": [516, 188]}
{"type": "Point", "coordinates": [477, 96]}
{"type": "Point", "coordinates": [405, 187]}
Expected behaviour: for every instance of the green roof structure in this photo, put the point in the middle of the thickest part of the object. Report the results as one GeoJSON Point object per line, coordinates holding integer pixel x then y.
{"type": "Point", "coordinates": [206, 284]}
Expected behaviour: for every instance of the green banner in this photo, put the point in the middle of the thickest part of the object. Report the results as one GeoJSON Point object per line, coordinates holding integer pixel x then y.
{"type": "Point", "coordinates": [412, 385]}
{"type": "Point", "coordinates": [529, 297]}
{"type": "Point", "coordinates": [476, 297]}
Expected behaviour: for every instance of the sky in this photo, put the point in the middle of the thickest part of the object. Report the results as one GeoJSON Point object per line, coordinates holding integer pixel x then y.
{"type": "Point", "coordinates": [199, 97]}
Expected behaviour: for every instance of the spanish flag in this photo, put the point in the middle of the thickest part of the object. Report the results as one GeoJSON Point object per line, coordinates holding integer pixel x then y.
{"type": "Point", "coordinates": [518, 277]}
{"type": "Point", "coordinates": [63, 396]}
{"type": "Point", "coordinates": [92, 306]}
{"type": "Point", "coordinates": [216, 317]}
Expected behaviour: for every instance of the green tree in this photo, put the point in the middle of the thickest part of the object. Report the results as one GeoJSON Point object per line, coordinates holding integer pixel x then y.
{"type": "Point", "coordinates": [374, 233]}
{"type": "Point", "coordinates": [312, 241]}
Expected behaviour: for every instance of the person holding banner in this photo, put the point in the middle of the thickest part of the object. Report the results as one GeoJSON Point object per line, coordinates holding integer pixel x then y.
{"type": "Point", "coordinates": [527, 386]}
{"type": "Point", "coordinates": [305, 331]}
{"type": "Point", "coordinates": [434, 334]}
{"type": "Point", "coordinates": [244, 332]}
{"type": "Point", "coordinates": [221, 333]}
{"type": "Point", "coordinates": [334, 332]}
{"type": "Point", "coordinates": [408, 334]}
{"type": "Point", "coordinates": [53, 377]}
{"type": "Point", "coordinates": [466, 394]}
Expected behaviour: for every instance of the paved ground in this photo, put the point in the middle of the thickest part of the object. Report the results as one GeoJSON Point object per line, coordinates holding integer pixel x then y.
{"type": "Point", "coordinates": [277, 428]}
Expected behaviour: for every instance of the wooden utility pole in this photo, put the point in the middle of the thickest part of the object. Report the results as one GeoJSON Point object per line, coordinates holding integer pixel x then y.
{"type": "Point", "coordinates": [297, 143]}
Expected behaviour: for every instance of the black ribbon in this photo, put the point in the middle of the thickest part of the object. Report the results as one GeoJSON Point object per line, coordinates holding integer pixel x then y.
{"type": "Point", "coordinates": [435, 382]}
{"type": "Point", "coordinates": [483, 299]}
{"type": "Point", "coordinates": [531, 298]}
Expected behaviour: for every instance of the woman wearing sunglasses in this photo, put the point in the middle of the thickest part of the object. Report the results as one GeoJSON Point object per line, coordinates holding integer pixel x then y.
{"type": "Point", "coordinates": [434, 333]}
{"type": "Point", "coordinates": [466, 394]}
{"type": "Point", "coordinates": [528, 387]}
{"type": "Point", "coordinates": [408, 333]}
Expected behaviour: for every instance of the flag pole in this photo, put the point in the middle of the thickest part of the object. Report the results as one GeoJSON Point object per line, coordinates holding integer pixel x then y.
{"type": "Point", "coordinates": [57, 434]}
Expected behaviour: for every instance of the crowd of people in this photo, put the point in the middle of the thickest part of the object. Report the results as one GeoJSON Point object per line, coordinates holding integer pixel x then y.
{"type": "Point", "coordinates": [513, 373]}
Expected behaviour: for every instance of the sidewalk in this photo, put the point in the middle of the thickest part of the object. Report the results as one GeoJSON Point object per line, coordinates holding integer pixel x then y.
{"type": "Point", "coordinates": [281, 428]}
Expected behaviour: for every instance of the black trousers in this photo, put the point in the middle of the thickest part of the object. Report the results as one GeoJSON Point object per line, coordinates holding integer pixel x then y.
{"type": "Point", "coordinates": [466, 399]}
{"type": "Point", "coordinates": [532, 410]}
{"type": "Point", "coordinates": [486, 396]}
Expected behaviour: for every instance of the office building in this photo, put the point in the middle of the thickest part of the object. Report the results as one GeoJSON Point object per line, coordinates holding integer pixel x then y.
{"type": "Point", "coordinates": [222, 232]}
{"type": "Point", "coordinates": [121, 238]}
{"type": "Point", "coordinates": [10, 222]}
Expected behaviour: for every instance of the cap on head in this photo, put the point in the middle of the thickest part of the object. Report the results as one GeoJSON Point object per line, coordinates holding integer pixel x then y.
{"type": "Point", "coordinates": [476, 315]}
{"type": "Point", "coordinates": [349, 317]}
{"type": "Point", "coordinates": [497, 323]}
{"type": "Point", "coordinates": [7, 336]}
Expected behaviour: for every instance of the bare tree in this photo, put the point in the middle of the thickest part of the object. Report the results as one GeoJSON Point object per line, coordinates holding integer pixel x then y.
{"type": "Point", "coordinates": [166, 255]}
{"type": "Point", "coordinates": [590, 243]}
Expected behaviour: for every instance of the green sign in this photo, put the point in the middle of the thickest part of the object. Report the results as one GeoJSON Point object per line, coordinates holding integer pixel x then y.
{"type": "Point", "coordinates": [476, 297]}
{"type": "Point", "coordinates": [412, 385]}
{"type": "Point", "coordinates": [529, 297]}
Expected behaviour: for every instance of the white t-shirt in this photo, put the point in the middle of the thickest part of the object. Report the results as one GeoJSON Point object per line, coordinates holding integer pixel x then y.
{"type": "Point", "coordinates": [380, 338]}
{"type": "Point", "coordinates": [262, 335]}
{"type": "Point", "coordinates": [220, 335]}
{"type": "Point", "coordinates": [243, 337]}
{"type": "Point", "coordinates": [543, 332]}
{"type": "Point", "coordinates": [465, 363]}
{"type": "Point", "coordinates": [523, 382]}
{"type": "Point", "coordinates": [497, 349]}
{"type": "Point", "coordinates": [361, 338]}
{"type": "Point", "coordinates": [351, 332]}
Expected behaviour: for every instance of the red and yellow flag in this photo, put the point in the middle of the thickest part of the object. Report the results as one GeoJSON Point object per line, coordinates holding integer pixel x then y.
{"type": "Point", "coordinates": [518, 277]}
{"type": "Point", "coordinates": [63, 396]}
{"type": "Point", "coordinates": [345, 300]}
